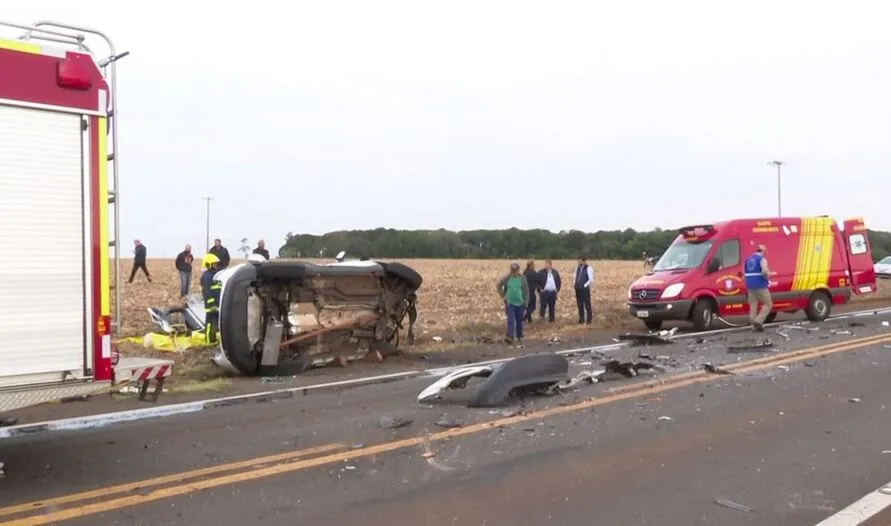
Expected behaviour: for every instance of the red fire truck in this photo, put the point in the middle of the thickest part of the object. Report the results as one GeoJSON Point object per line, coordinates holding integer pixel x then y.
{"type": "Point", "coordinates": [60, 200]}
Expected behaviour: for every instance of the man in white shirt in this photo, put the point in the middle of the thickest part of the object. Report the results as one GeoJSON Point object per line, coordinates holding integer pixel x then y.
{"type": "Point", "coordinates": [584, 278]}
{"type": "Point", "coordinates": [550, 280]}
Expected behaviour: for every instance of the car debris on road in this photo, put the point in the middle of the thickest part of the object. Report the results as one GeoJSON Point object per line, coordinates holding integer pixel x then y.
{"type": "Point", "coordinates": [712, 368]}
{"type": "Point", "coordinates": [388, 422]}
{"type": "Point", "coordinates": [751, 346]}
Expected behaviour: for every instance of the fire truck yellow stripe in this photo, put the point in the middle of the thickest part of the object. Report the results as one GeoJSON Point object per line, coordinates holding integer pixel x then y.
{"type": "Point", "coordinates": [826, 240]}
{"type": "Point", "coordinates": [18, 45]}
{"type": "Point", "coordinates": [104, 281]}
{"type": "Point", "coordinates": [801, 262]}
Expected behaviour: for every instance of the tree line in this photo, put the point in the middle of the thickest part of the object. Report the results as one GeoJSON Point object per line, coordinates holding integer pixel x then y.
{"type": "Point", "coordinates": [498, 244]}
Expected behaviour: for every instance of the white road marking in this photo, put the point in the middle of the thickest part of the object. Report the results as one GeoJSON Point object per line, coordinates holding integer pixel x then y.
{"type": "Point", "coordinates": [105, 419]}
{"type": "Point", "coordinates": [862, 510]}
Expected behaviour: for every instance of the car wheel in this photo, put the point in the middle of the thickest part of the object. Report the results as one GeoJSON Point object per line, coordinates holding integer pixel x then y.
{"type": "Point", "coordinates": [703, 314]}
{"type": "Point", "coordinates": [819, 306]}
{"type": "Point", "coordinates": [653, 325]}
{"type": "Point", "coordinates": [407, 274]}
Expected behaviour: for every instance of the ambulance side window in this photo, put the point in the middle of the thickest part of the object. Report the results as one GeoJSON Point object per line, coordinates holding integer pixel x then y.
{"type": "Point", "coordinates": [729, 253]}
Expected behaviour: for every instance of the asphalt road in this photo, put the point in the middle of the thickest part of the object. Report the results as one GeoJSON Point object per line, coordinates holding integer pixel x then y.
{"type": "Point", "coordinates": [794, 436]}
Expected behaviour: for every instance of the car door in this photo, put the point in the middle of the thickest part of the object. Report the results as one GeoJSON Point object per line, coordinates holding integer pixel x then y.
{"type": "Point", "coordinates": [728, 279]}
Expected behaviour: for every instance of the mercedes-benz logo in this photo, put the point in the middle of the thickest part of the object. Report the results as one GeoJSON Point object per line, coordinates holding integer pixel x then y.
{"type": "Point", "coordinates": [643, 294]}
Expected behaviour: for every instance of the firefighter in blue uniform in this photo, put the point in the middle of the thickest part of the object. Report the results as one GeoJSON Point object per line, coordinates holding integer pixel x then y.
{"type": "Point", "coordinates": [757, 283]}
{"type": "Point", "coordinates": [210, 289]}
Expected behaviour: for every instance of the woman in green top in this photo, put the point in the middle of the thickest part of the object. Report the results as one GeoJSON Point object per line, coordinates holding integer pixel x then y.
{"type": "Point", "coordinates": [514, 291]}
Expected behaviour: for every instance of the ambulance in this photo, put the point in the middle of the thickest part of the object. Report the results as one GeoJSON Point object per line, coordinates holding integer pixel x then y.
{"type": "Point", "coordinates": [59, 219]}
{"type": "Point", "coordinates": [813, 265]}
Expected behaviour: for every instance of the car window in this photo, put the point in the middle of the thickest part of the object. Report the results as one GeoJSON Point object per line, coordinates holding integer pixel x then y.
{"type": "Point", "coordinates": [885, 261]}
{"type": "Point", "coordinates": [729, 253]}
{"type": "Point", "coordinates": [858, 244]}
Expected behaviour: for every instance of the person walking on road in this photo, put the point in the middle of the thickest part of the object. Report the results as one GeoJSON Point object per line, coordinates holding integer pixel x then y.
{"type": "Point", "coordinates": [514, 291]}
{"type": "Point", "coordinates": [261, 249]}
{"type": "Point", "coordinates": [757, 276]}
{"type": "Point", "coordinates": [549, 280]}
{"type": "Point", "coordinates": [584, 279]}
{"type": "Point", "coordinates": [221, 252]}
{"type": "Point", "coordinates": [184, 267]}
{"type": "Point", "coordinates": [139, 259]}
{"type": "Point", "coordinates": [532, 279]}
{"type": "Point", "coordinates": [210, 290]}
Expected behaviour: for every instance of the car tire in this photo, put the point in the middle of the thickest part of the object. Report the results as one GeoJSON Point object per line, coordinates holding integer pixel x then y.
{"type": "Point", "coordinates": [703, 314]}
{"type": "Point", "coordinates": [653, 325]}
{"type": "Point", "coordinates": [234, 326]}
{"type": "Point", "coordinates": [819, 307]}
{"type": "Point", "coordinates": [407, 274]}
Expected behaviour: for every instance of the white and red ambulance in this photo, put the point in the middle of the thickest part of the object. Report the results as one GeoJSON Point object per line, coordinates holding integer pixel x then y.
{"type": "Point", "coordinates": [59, 200]}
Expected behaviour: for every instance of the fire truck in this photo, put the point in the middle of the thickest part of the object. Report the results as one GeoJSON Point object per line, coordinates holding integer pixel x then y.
{"type": "Point", "coordinates": [60, 308]}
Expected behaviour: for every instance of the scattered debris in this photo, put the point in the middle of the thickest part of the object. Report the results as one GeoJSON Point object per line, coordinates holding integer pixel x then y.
{"type": "Point", "coordinates": [628, 369]}
{"type": "Point", "coordinates": [751, 346]}
{"type": "Point", "coordinates": [784, 334]}
{"type": "Point", "coordinates": [7, 421]}
{"type": "Point", "coordinates": [712, 368]}
{"type": "Point", "coordinates": [664, 419]}
{"type": "Point", "coordinates": [437, 339]}
{"type": "Point", "coordinates": [554, 340]}
{"type": "Point", "coordinates": [700, 340]}
{"type": "Point", "coordinates": [2, 470]}
{"type": "Point", "coordinates": [735, 506]}
{"type": "Point", "coordinates": [591, 377]}
{"type": "Point", "coordinates": [856, 324]}
{"type": "Point", "coordinates": [885, 323]}
{"type": "Point", "coordinates": [387, 422]}
{"type": "Point", "coordinates": [841, 332]}
{"type": "Point", "coordinates": [349, 467]}
{"type": "Point", "coordinates": [886, 451]}
{"type": "Point", "coordinates": [783, 368]}
{"type": "Point", "coordinates": [853, 400]}
{"type": "Point", "coordinates": [456, 379]}
{"type": "Point", "coordinates": [448, 423]}
{"type": "Point", "coordinates": [75, 398]}
{"type": "Point", "coordinates": [357, 445]}
{"type": "Point", "coordinates": [809, 364]}
{"type": "Point", "coordinates": [800, 328]}
{"type": "Point", "coordinates": [658, 338]}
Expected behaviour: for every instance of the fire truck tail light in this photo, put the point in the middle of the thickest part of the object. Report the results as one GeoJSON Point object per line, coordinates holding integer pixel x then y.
{"type": "Point", "coordinates": [74, 73]}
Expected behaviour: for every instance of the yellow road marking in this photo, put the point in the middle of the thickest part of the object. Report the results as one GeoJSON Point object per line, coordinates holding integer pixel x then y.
{"type": "Point", "coordinates": [617, 395]}
{"type": "Point", "coordinates": [166, 479]}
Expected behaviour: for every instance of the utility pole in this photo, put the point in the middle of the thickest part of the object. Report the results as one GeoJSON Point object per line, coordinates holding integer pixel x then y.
{"type": "Point", "coordinates": [207, 225]}
{"type": "Point", "coordinates": [779, 165]}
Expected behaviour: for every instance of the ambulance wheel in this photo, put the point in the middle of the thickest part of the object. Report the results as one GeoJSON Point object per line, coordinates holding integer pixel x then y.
{"type": "Point", "coordinates": [770, 317]}
{"type": "Point", "coordinates": [703, 314]}
{"type": "Point", "coordinates": [653, 325]}
{"type": "Point", "coordinates": [819, 307]}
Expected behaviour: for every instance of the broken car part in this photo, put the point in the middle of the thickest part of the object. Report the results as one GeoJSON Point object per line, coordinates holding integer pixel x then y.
{"type": "Point", "coordinates": [532, 374]}
{"type": "Point", "coordinates": [751, 346]}
{"type": "Point", "coordinates": [712, 368]}
{"type": "Point", "coordinates": [657, 338]}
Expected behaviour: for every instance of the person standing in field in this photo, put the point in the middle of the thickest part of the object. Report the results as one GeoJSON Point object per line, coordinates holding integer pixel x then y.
{"type": "Point", "coordinates": [139, 259]}
{"type": "Point", "coordinates": [757, 276]}
{"type": "Point", "coordinates": [584, 279]}
{"type": "Point", "coordinates": [549, 280]}
{"type": "Point", "coordinates": [532, 278]}
{"type": "Point", "coordinates": [221, 252]}
{"type": "Point", "coordinates": [261, 249]}
{"type": "Point", "coordinates": [184, 267]}
{"type": "Point", "coordinates": [514, 291]}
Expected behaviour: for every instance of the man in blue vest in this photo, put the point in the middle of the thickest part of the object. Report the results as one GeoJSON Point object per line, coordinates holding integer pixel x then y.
{"type": "Point", "coordinates": [757, 283]}
{"type": "Point", "coordinates": [210, 290]}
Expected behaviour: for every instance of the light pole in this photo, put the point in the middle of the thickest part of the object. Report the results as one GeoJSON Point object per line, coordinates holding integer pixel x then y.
{"type": "Point", "coordinates": [207, 225]}
{"type": "Point", "coordinates": [779, 165]}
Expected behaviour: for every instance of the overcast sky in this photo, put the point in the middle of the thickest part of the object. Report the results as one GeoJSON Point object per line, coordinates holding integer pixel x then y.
{"type": "Point", "coordinates": [316, 116]}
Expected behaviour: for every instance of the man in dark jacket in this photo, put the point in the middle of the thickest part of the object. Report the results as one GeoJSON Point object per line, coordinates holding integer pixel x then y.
{"type": "Point", "coordinates": [532, 277]}
{"type": "Point", "coordinates": [261, 249]}
{"type": "Point", "coordinates": [184, 267]}
{"type": "Point", "coordinates": [549, 279]}
{"type": "Point", "coordinates": [220, 252]}
{"type": "Point", "coordinates": [583, 280]}
{"type": "Point", "coordinates": [139, 258]}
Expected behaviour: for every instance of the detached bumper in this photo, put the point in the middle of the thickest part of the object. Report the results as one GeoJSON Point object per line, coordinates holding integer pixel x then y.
{"type": "Point", "coordinates": [661, 310]}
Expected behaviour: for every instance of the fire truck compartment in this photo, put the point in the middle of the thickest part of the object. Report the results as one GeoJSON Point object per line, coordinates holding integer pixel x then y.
{"type": "Point", "coordinates": [43, 248]}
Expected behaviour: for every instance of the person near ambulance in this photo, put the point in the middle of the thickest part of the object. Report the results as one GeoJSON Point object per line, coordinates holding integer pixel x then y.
{"type": "Point", "coordinates": [514, 291]}
{"type": "Point", "coordinates": [757, 276]}
{"type": "Point", "coordinates": [210, 290]}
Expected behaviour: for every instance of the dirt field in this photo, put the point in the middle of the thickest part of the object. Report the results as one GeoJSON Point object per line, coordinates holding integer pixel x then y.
{"type": "Point", "coordinates": [457, 301]}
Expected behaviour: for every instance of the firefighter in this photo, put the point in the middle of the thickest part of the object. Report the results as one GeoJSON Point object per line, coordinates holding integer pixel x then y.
{"type": "Point", "coordinates": [210, 289]}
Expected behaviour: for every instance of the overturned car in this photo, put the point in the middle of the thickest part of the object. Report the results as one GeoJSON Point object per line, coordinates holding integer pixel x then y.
{"type": "Point", "coordinates": [283, 317]}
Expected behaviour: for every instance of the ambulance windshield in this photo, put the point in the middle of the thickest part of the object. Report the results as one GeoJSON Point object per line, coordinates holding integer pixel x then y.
{"type": "Point", "coordinates": [683, 255]}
